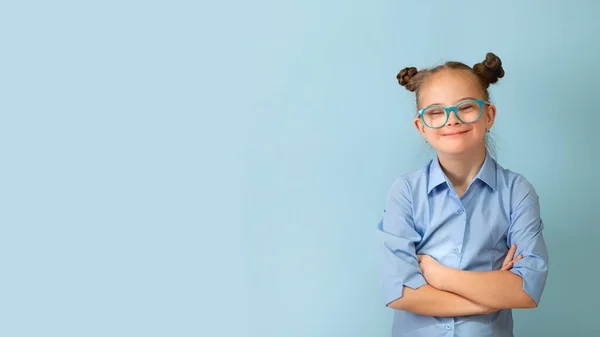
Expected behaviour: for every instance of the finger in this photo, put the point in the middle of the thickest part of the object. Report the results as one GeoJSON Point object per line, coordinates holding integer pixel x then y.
{"type": "Point", "coordinates": [507, 266]}
{"type": "Point", "coordinates": [518, 258]}
{"type": "Point", "coordinates": [511, 264]}
{"type": "Point", "coordinates": [510, 255]}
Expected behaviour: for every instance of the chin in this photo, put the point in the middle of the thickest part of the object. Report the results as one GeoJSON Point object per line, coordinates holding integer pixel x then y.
{"type": "Point", "coordinates": [455, 149]}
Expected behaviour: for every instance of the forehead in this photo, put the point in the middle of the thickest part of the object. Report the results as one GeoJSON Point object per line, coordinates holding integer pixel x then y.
{"type": "Point", "coordinates": [447, 87]}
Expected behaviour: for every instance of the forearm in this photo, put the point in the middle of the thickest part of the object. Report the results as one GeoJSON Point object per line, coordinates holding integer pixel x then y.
{"type": "Point", "coordinates": [427, 300]}
{"type": "Point", "coordinates": [497, 289]}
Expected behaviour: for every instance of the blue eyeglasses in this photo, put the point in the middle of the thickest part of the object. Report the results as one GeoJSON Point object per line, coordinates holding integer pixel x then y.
{"type": "Point", "coordinates": [468, 112]}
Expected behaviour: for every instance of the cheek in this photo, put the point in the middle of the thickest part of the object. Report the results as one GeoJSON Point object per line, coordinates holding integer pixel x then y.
{"type": "Point", "coordinates": [480, 126]}
{"type": "Point", "coordinates": [431, 133]}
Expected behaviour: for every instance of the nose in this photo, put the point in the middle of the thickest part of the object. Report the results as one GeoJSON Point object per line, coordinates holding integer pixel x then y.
{"type": "Point", "coordinates": [452, 120]}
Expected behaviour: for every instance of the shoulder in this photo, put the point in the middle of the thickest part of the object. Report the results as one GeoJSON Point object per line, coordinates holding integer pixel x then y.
{"type": "Point", "coordinates": [406, 184]}
{"type": "Point", "coordinates": [517, 186]}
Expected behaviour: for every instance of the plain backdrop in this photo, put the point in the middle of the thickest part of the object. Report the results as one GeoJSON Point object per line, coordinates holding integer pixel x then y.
{"type": "Point", "coordinates": [181, 168]}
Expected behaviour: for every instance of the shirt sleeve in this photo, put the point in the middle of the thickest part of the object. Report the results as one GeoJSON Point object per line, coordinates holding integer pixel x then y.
{"type": "Point", "coordinates": [397, 240]}
{"type": "Point", "coordinates": [526, 231]}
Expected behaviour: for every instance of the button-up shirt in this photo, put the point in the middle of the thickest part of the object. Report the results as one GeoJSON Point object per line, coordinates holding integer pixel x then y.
{"type": "Point", "coordinates": [424, 215]}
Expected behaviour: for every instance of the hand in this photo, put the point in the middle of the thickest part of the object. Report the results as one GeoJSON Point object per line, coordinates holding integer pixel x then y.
{"type": "Point", "coordinates": [433, 271]}
{"type": "Point", "coordinates": [509, 262]}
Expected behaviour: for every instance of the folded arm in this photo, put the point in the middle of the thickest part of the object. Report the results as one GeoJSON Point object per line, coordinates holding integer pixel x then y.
{"type": "Point", "coordinates": [498, 289]}
{"type": "Point", "coordinates": [427, 300]}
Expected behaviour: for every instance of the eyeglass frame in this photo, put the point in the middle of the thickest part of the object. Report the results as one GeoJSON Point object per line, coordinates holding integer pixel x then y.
{"type": "Point", "coordinates": [454, 108]}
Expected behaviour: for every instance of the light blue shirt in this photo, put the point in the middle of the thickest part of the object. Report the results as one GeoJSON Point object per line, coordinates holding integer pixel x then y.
{"type": "Point", "coordinates": [424, 215]}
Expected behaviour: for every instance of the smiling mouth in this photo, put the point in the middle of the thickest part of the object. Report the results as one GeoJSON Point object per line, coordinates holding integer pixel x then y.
{"type": "Point", "coordinates": [455, 133]}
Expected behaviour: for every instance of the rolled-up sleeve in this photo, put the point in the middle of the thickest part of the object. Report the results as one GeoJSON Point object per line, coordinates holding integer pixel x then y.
{"type": "Point", "coordinates": [526, 232]}
{"type": "Point", "coordinates": [397, 240]}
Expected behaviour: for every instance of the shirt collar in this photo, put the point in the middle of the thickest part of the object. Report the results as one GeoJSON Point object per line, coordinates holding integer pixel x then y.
{"type": "Point", "coordinates": [487, 174]}
{"type": "Point", "coordinates": [436, 175]}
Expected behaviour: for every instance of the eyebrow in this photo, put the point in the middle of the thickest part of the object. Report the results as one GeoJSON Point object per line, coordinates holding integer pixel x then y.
{"type": "Point", "coordinates": [460, 100]}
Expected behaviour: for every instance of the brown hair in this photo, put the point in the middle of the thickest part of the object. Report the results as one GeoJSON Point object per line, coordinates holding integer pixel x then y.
{"type": "Point", "coordinates": [488, 72]}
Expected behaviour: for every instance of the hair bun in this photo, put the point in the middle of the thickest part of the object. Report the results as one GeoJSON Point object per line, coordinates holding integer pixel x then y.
{"type": "Point", "coordinates": [404, 78]}
{"type": "Point", "coordinates": [490, 70]}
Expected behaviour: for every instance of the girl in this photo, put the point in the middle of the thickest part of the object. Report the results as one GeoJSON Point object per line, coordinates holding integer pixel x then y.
{"type": "Point", "coordinates": [450, 231]}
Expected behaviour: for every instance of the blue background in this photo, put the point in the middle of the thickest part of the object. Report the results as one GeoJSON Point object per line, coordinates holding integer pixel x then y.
{"type": "Point", "coordinates": [176, 168]}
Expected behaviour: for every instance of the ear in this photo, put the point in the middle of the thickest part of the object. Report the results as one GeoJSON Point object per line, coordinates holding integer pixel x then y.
{"type": "Point", "coordinates": [420, 126]}
{"type": "Point", "coordinates": [490, 116]}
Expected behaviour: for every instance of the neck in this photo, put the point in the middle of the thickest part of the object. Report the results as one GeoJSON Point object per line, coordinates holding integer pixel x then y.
{"type": "Point", "coordinates": [462, 168]}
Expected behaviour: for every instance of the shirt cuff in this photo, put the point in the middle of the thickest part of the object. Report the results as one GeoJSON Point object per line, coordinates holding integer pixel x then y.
{"type": "Point", "coordinates": [533, 282]}
{"type": "Point", "coordinates": [393, 290]}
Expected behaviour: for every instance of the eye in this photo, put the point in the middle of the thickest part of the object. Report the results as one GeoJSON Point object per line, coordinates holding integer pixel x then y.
{"type": "Point", "coordinates": [435, 111]}
{"type": "Point", "coordinates": [468, 106]}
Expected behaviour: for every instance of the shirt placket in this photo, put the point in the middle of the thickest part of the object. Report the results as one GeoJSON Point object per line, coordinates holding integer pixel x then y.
{"type": "Point", "coordinates": [457, 237]}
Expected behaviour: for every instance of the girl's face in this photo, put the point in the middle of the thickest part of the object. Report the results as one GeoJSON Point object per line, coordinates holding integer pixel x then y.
{"type": "Point", "coordinates": [448, 88]}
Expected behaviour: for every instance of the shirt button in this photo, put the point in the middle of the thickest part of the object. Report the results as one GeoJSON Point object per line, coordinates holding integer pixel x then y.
{"type": "Point", "coordinates": [460, 211]}
{"type": "Point", "coordinates": [448, 327]}
{"type": "Point", "coordinates": [455, 250]}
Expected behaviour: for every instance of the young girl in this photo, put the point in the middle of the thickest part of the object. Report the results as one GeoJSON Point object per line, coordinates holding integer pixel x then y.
{"type": "Point", "coordinates": [450, 231]}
